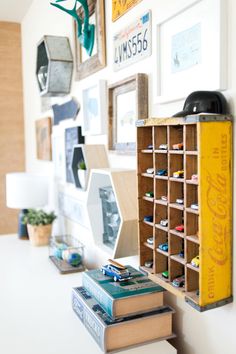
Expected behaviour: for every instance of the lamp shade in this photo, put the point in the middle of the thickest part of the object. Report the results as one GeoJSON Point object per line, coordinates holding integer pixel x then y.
{"type": "Point", "coordinates": [26, 190]}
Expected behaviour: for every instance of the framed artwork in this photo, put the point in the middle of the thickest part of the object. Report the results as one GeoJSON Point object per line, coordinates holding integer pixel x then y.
{"type": "Point", "coordinates": [73, 136]}
{"type": "Point", "coordinates": [127, 102]}
{"type": "Point", "coordinates": [94, 109]}
{"type": "Point", "coordinates": [43, 139]}
{"type": "Point", "coordinates": [191, 51]}
{"type": "Point", "coordinates": [133, 43]}
{"type": "Point", "coordinates": [120, 7]}
{"type": "Point", "coordinates": [58, 153]}
{"type": "Point", "coordinates": [86, 65]}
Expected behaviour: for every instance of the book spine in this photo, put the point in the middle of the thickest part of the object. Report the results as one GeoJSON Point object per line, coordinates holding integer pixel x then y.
{"type": "Point", "coordinates": [99, 294]}
{"type": "Point", "coordinates": [95, 328]}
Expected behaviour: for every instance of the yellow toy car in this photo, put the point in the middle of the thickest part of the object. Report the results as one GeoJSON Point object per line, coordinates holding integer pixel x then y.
{"type": "Point", "coordinates": [195, 262]}
{"type": "Point", "coordinates": [178, 174]}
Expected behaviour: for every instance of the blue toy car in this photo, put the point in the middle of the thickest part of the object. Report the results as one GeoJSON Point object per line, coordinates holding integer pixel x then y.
{"type": "Point", "coordinates": [163, 247]}
{"type": "Point", "coordinates": [148, 218]}
{"type": "Point", "coordinates": [161, 172]}
{"type": "Point", "coordinates": [115, 272]}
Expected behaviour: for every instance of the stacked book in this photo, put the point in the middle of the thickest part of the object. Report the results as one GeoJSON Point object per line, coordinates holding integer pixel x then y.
{"type": "Point", "coordinates": [122, 314]}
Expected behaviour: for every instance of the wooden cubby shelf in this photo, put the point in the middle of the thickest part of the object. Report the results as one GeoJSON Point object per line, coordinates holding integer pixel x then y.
{"type": "Point", "coordinates": [191, 206]}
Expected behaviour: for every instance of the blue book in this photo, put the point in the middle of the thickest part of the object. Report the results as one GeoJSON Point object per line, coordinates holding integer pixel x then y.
{"type": "Point", "coordinates": [114, 334]}
{"type": "Point", "coordinates": [119, 299]}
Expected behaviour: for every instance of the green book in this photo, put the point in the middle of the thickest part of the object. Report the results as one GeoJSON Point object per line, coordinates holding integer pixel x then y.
{"type": "Point", "coordinates": [116, 334]}
{"type": "Point", "coordinates": [119, 299]}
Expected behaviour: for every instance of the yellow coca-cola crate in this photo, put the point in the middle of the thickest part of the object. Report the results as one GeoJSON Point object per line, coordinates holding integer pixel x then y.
{"type": "Point", "coordinates": [187, 245]}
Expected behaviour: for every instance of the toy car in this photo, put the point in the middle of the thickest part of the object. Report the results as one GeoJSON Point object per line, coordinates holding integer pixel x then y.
{"type": "Point", "coordinates": [165, 274]}
{"type": "Point", "coordinates": [150, 240]}
{"type": "Point", "coordinates": [163, 247]}
{"type": "Point", "coordinates": [181, 253]}
{"type": "Point", "coordinates": [161, 172]}
{"type": "Point", "coordinates": [178, 146]}
{"type": "Point", "coordinates": [164, 198]}
{"type": "Point", "coordinates": [178, 174]}
{"type": "Point", "coordinates": [150, 147]}
{"type": "Point", "coordinates": [179, 201]}
{"type": "Point", "coordinates": [195, 262]}
{"type": "Point", "coordinates": [179, 282]}
{"type": "Point", "coordinates": [164, 222]}
{"type": "Point", "coordinates": [163, 147]}
{"type": "Point", "coordinates": [194, 178]}
{"type": "Point", "coordinates": [179, 228]}
{"type": "Point", "coordinates": [149, 194]}
{"type": "Point", "coordinates": [148, 264]}
{"type": "Point", "coordinates": [117, 273]}
{"type": "Point", "coordinates": [150, 170]}
{"type": "Point", "coordinates": [148, 218]}
{"type": "Point", "coordinates": [194, 206]}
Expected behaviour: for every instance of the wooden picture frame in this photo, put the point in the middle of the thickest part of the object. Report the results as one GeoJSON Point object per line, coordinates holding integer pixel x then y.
{"type": "Point", "coordinates": [43, 138]}
{"type": "Point", "coordinates": [127, 102]}
{"type": "Point", "coordinates": [84, 64]}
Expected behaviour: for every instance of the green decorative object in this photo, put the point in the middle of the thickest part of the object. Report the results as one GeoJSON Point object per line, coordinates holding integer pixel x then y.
{"type": "Point", "coordinates": [86, 31]}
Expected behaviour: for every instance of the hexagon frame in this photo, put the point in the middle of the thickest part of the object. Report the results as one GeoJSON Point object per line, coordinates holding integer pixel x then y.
{"type": "Point", "coordinates": [54, 66]}
{"type": "Point", "coordinates": [124, 185]}
{"type": "Point", "coordinates": [94, 156]}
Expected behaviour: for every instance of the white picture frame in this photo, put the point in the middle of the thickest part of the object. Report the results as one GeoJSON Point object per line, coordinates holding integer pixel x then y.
{"type": "Point", "coordinates": [94, 100]}
{"type": "Point", "coordinates": [201, 29]}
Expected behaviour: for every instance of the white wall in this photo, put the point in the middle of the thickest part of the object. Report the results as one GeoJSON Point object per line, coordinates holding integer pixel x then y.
{"type": "Point", "coordinates": [211, 332]}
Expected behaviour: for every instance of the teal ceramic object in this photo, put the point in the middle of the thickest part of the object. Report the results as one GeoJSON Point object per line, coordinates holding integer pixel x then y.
{"type": "Point", "coordinates": [86, 31]}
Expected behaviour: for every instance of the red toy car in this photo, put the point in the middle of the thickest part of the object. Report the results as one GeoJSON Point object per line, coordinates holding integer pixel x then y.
{"type": "Point", "coordinates": [179, 228]}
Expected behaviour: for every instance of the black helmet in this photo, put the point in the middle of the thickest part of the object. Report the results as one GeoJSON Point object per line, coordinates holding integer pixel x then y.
{"type": "Point", "coordinates": [204, 102]}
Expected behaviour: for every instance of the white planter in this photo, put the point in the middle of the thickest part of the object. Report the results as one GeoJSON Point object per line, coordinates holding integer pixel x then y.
{"type": "Point", "coordinates": [82, 178]}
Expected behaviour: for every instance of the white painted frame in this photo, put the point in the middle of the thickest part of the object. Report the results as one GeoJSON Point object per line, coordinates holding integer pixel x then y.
{"type": "Point", "coordinates": [101, 87]}
{"type": "Point", "coordinates": [211, 73]}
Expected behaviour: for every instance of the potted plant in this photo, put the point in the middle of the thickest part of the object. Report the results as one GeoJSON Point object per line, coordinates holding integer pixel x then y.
{"type": "Point", "coordinates": [82, 173]}
{"type": "Point", "coordinates": [39, 226]}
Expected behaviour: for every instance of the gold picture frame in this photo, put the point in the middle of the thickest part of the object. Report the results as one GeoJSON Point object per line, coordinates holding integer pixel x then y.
{"type": "Point", "coordinates": [120, 7]}
{"type": "Point", "coordinates": [84, 64]}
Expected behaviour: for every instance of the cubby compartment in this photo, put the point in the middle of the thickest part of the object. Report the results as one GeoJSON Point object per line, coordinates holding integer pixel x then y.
{"type": "Point", "coordinates": [146, 259]}
{"type": "Point", "coordinates": [177, 270]}
{"type": "Point", "coordinates": [160, 138]}
{"type": "Point", "coordinates": [146, 230]}
{"type": "Point", "coordinates": [161, 237]}
{"type": "Point", "coordinates": [192, 283]}
{"type": "Point", "coordinates": [191, 138]}
{"type": "Point", "coordinates": [191, 167]}
{"type": "Point", "coordinates": [145, 161]}
{"type": "Point", "coordinates": [161, 191]}
{"type": "Point", "coordinates": [176, 218]}
{"type": "Point", "coordinates": [192, 250]}
{"type": "Point", "coordinates": [176, 248]}
{"type": "Point", "coordinates": [146, 188]}
{"type": "Point", "coordinates": [176, 195]}
{"type": "Point", "coordinates": [146, 210]}
{"type": "Point", "coordinates": [161, 264]}
{"type": "Point", "coordinates": [192, 224]}
{"type": "Point", "coordinates": [161, 165]}
{"type": "Point", "coordinates": [144, 138]}
{"type": "Point", "coordinates": [191, 196]}
{"type": "Point", "coordinates": [175, 137]}
{"type": "Point", "coordinates": [161, 217]}
{"type": "Point", "coordinates": [176, 165]}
